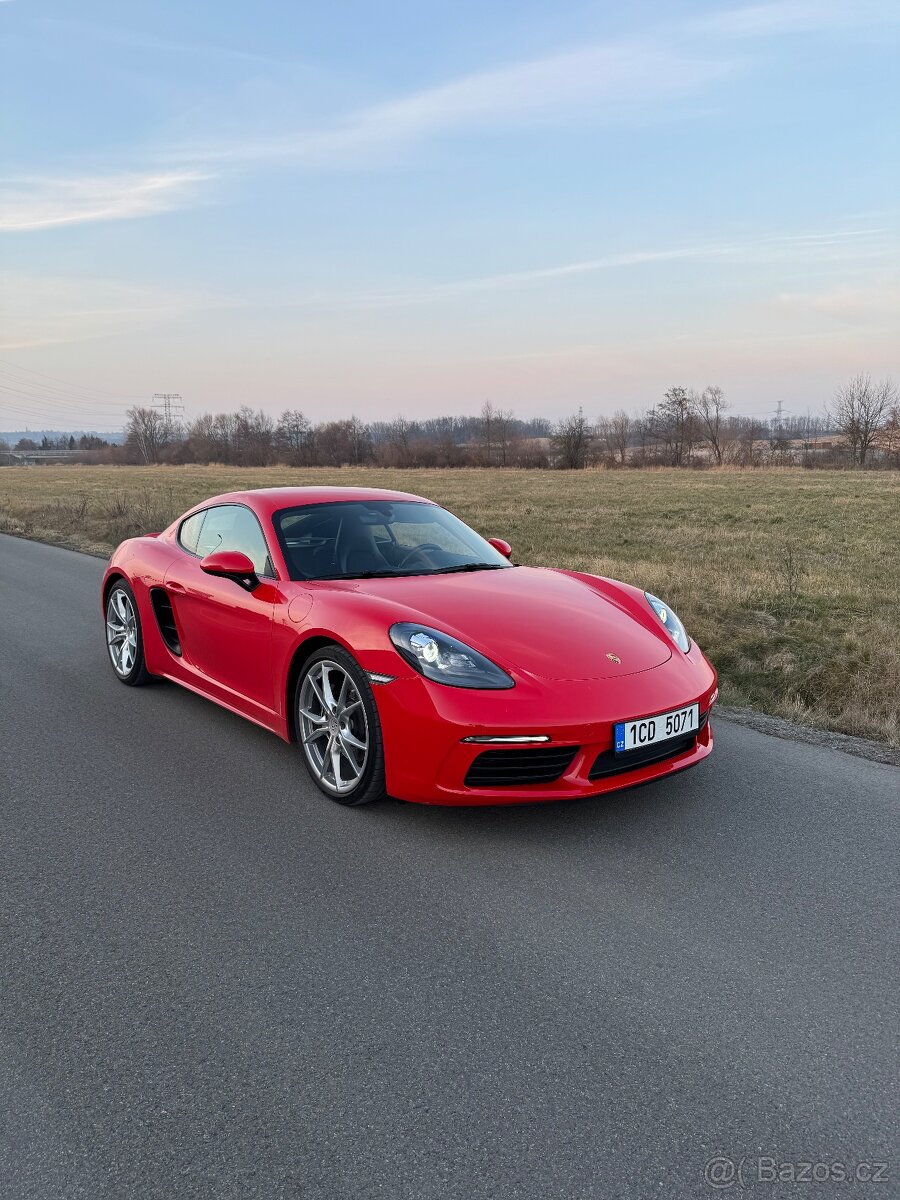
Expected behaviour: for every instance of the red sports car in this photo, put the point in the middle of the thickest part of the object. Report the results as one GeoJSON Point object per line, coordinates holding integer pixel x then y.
{"type": "Point", "coordinates": [404, 653]}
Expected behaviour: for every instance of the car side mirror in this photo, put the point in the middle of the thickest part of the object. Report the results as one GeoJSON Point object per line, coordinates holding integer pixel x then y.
{"type": "Point", "coordinates": [504, 547]}
{"type": "Point", "coordinates": [231, 564]}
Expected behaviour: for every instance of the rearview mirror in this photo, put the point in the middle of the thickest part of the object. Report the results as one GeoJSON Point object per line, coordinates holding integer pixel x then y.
{"type": "Point", "coordinates": [231, 564]}
{"type": "Point", "coordinates": [504, 547]}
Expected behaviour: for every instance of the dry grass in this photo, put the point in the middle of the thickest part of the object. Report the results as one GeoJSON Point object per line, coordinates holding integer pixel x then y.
{"type": "Point", "coordinates": [789, 579]}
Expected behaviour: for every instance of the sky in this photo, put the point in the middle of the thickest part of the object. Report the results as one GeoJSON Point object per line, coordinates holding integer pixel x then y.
{"type": "Point", "coordinates": [417, 207]}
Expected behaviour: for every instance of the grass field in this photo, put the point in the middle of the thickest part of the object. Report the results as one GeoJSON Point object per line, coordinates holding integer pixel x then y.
{"type": "Point", "coordinates": [789, 579]}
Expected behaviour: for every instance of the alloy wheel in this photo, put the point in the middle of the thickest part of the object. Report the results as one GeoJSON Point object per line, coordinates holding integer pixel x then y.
{"type": "Point", "coordinates": [333, 727]}
{"type": "Point", "coordinates": [121, 632]}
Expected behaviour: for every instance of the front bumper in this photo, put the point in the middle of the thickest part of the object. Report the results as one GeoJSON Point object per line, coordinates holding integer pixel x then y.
{"type": "Point", "coordinates": [424, 724]}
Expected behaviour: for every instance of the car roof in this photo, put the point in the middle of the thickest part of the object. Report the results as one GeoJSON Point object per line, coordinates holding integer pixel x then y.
{"type": "Point", "coordinates": [266, 501]}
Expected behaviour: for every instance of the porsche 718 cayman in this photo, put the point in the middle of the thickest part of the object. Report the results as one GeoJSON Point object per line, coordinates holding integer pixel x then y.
{"type": "Point", "coordinates": [405, 654]}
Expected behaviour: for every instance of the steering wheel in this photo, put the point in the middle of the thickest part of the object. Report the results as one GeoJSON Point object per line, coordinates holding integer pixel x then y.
{"type": "Point", "coordinates": [423, 550]}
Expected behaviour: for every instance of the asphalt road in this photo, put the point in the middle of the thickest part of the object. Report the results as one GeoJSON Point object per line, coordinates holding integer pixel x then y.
{"type": "Point", "coordinates": [214, 982]}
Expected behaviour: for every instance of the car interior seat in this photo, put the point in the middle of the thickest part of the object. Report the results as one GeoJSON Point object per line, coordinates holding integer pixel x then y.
{"type": "Point", "coordinates": [358, 551]}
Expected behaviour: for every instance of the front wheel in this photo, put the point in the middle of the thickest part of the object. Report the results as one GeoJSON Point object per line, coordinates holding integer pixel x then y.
{"type": "Point", "coordinates": [338, 728]}
{"type": "Point", "coordinates": [124, 640]}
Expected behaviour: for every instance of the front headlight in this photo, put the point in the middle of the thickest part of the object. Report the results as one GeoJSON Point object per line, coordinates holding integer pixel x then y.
{"type": "Point", "coordinates": [670, 620]}
{"type": "Point", "coordinates": [442, 658]}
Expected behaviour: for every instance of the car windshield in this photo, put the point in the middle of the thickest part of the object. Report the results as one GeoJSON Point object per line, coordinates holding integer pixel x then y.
{"type": "Point", "coordinates": [366, 539]}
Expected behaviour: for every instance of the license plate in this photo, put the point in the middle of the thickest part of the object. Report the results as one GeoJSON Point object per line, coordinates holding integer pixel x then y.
{"type": "Point", "coordinates": [634, 735]}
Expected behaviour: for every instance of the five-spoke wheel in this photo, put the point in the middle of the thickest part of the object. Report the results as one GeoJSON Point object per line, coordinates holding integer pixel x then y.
{"type": "Point", "coordinates": [123, 635]}
{"type": "Point", "coordinates": [337, 727]}
{"type": "Point", "coordinates": [121, 631]}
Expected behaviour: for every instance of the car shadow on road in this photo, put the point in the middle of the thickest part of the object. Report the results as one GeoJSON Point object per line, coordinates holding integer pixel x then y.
{"type": "Point", "coordinates": [621, 815]}
{"type": "Point", "coordinates": [640, 812]}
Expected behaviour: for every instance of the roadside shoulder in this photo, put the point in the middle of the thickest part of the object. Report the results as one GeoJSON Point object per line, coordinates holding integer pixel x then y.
{"type": "Point", "coordinates": [791, 731]}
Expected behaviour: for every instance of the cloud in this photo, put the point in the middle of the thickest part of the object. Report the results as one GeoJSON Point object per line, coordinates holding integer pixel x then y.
{"type": "Point", "coordinates": [582, 79]}
{"type": "Point", "coordinates": [815, 247]}
{"type": "Point", "coordinates": [598, 81]}
{"type": "Point", "coordinates": [795, 16]}
{"type": "Point", "coordinates": [755, 249]}
{"type": "Point", "coordinates": [850, 302]}
{"type": "Point", "coordinates": [28, 203]}
{"type": "Point", "coordinates": [602, 82]}
{"type": "Point", "coordinates": [47, 310]}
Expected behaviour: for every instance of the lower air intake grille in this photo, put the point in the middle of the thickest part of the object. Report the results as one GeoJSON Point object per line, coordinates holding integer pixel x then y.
{"type": "Point", "coordinates": [512, 768]}
{"type": "Point", "coordinates": [610, 763]}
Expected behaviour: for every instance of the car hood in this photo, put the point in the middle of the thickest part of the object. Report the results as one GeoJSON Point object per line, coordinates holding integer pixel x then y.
{"type": "Point", "coordinates": [545, 622]}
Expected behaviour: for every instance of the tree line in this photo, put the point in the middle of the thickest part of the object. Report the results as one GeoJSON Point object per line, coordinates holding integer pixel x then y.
{"type": "Point", "coordinates": [251, 437]}
{"type": "Point", "coordinates": [686, 428]}
{"type": "Point", "coordinates": [65, 443]}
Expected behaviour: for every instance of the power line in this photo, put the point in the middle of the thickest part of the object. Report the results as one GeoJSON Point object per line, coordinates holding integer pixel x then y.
{"type": "Point", "coordinates": [44, 392]}
{"type": "Point", "coordinates": [30, 404]}
{"type": "Point", "coordinates": [60, 399]}
{"type": "Point", "coordinates": [42, 399]}
{"type": "Point", "coordinates": [44, 412]}
{"type": "Point", "coordinates": [72, 387]}
{"type": "Point", "coordinates": [58, 408]}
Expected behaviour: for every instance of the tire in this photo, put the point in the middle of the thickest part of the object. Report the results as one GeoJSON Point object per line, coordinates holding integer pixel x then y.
{"type": "Point", "coordinates": [338, 730]}
{"type": "Point", "coordinates": [124, 638]}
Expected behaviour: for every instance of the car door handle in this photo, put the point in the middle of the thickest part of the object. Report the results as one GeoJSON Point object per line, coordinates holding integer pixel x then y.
{"type": "Point", "coordinates": [172, 586]}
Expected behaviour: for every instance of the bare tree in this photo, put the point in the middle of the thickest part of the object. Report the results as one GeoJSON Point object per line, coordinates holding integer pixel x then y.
{"type": "Point", "coordinates": [360, 440]}
{"type": "Point", "coordinates": [889, 437]}
{"type": "Point", "coordinates": [200, 445]}
{"type": "Point", "coordinates": [572, 441]}
{"type": "Point", "coordinates": [710, 406]}
{"type": "Point", "coordinates": [488, 430]}
{"type": "Point", "coordinates": [292, 434]}
{"type": "Point", "coordinates": [396, 450]}
{"type": "Point", "coordinates": [673, 423]}
{"type": "Point", "coordinates": [224, 431]}
{"type": "Point", "coordinates": [445, 434]}
{"type": "Point", "coordinates": [747, 434]}
{"type": "Point", "coordinates": [615, 434]}
{"type": "Point", "coordinates": [147, 432]}
{"type": "Point", "coordinates": [254, 436]}
{"type": "Point", "coordinates": [503, 425]}
{"type": "Point", "coordinates": [858, 409]}
{"type": "Point", "coordinates": [643, 438]}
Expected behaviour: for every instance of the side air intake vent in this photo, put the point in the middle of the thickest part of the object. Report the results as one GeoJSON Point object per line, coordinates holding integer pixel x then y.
{"type": "Point", "coordinates": [165, 619]}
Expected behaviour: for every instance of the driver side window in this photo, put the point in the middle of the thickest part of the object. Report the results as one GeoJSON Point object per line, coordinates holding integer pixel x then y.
{"type": "Point", "coordinates": [232, 527]}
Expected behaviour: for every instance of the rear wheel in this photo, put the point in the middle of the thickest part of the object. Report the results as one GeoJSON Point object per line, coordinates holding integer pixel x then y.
{"type": "Point", "coordinates": [123, 636]}
{"type": "Point", "coordinates": [338, 728]}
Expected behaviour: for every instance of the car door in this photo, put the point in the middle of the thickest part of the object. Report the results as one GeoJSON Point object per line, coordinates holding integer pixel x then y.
{"type": "Point", "coordinates": [226, 631]}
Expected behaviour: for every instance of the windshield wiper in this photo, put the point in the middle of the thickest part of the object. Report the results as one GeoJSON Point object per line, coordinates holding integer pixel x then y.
{"type": "Point", "coordinates": [407, 574]}
{"type": "Point", "coordinates": [469, 567]}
